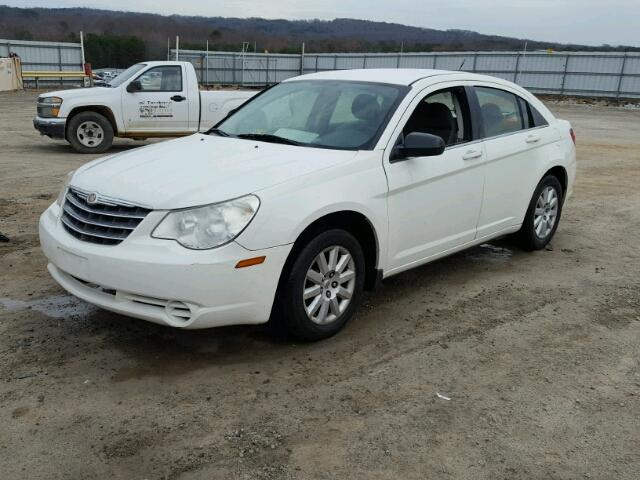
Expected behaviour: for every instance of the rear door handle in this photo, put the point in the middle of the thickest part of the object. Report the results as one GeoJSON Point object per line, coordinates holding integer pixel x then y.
{"type": "Point", "coordinates": [472, 154]}
{"type": "Point", "coordinates": [178, 98]}
{"type": "Point", "coordinates": [532, 139]}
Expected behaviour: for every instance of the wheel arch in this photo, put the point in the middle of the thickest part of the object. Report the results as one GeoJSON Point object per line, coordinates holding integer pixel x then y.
{"type": "Point", "coordinates": [561, 174]}
{"type": "Point", "coordinates": [358, 225]}
{"type": "Point", "coordinates": [101, 109]}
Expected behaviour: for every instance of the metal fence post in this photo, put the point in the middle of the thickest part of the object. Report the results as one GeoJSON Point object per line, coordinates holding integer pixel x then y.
{"type": "Point", "coordinates": [202, 69]}
{"type": "Point", "coordinates": [624, 63]}
{"type": "Point", "coordinates": [398, 61]}
{"type": "Point", "coordinates": [317, 56]}
{"type": "Point", "coordinates": [60, 62]}
{"type": "Point", "coordinates": [266, 77]}
{"type": "Point", "coordinates": [564, 74]}
{"type": "Point", "coordinates": [475, 59]}
{"type": "Point", "coordinates": [233, 68]}
{"type": "Point", "coordinates": [515, 76]}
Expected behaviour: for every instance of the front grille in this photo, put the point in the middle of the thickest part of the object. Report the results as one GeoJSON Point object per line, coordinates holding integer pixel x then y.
{"type": "Point", "coordinates": [106, 221]}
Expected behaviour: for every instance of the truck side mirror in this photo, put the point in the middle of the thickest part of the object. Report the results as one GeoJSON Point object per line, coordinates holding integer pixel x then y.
{"type": "Point", "coordinates": [418, 144]}
{"type": "Point", "coordinates": [134, 86]}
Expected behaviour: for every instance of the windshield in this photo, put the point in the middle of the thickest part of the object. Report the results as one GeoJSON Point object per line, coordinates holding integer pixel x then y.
{"type": "Point", "coordinates": [127, 74]}
{"type": "Point", "coordinates": [317, 113]}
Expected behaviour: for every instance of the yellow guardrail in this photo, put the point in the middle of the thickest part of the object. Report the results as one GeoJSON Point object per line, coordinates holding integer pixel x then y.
{"type": "Point", "coordinates": [53, 74]}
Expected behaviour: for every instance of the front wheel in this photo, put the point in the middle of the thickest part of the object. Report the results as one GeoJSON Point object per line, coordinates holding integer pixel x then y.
{"type": "Point", "coordinates": [543, 214]}
{"type": "Point", "coordinates": [90, 132]}
{"type": "Point", "coordinates": [323, 285]}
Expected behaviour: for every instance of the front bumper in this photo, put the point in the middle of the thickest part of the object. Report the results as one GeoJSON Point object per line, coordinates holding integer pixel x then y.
{"type": "Point", "coordinates": [160, 281]}
{"type": "Point", "coordinates": [51, 127]}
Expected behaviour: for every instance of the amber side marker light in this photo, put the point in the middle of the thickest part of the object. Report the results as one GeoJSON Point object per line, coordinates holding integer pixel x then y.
{"type": "Point", "coordinates": [249, 262]}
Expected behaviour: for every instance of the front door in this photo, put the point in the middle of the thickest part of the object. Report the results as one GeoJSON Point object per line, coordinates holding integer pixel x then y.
{"type": "Point", "coordinates": [161, 105]}
{"type": "Point", "coordinates": [434, 202]}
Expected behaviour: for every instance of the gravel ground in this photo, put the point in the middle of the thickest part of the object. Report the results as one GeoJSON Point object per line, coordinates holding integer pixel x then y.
{"type": "Point", "coordinates": [536, 354]}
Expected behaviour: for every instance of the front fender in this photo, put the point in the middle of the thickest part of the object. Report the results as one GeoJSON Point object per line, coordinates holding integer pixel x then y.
{"type": "Point", "coordinates": [287, 209]}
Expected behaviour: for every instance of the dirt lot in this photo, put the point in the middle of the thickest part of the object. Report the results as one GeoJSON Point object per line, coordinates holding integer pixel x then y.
{"type": "Point", "coordinates": [538, 353]}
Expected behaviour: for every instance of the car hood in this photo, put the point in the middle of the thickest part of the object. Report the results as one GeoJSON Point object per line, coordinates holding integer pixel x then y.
{"type": "Point", "coordinates": [75, 93]}
{"type": "Point", "coordinates": [200, 169]}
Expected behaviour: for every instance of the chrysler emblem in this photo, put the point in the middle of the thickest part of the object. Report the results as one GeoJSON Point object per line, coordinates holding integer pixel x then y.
{"type": "Point", "coordinates": [92, 198]}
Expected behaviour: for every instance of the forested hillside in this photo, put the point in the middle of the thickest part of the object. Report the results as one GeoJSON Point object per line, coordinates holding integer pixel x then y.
{"type": "Point", "coordinates": [120, 38]}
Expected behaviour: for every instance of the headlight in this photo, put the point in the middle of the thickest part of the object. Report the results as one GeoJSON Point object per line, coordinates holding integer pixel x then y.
{"type": "Point", "coordinates": [49, 107]}
{"type": "Point", "coordinates": [65, 186]}
{"type": "Point", "coordinates": [209, 226]}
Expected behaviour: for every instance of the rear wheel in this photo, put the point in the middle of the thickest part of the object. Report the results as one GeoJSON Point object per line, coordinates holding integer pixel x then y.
{"type": "Point", "coordinates": [543, 214]}
{"type": "Point", "coordinates": [323, 286]}
{"type": "Point", "coordinates": [90, 132]}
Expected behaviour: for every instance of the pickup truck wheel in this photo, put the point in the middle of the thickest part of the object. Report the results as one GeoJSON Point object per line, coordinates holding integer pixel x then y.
{"type": "Point", "coordinates": [323, 286]}
{"type": "Point", "coordinates": [89, 132]}
{"type": "Point", "coordinates": [543, 215]}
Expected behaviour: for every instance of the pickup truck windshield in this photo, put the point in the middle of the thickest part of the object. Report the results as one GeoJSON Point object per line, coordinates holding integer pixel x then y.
{"type": "Point", "coordinates": [127, 74]}
{"type": "Point", "coordinates": [317, 113]}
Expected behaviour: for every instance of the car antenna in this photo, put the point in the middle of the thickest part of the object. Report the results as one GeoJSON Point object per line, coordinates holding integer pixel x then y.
{"type": "Point", "coordinates": [462, 64]}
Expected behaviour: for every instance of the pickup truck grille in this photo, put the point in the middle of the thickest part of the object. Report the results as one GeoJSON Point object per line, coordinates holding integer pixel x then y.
{"type": "Point", "coordinates": [105, 222]}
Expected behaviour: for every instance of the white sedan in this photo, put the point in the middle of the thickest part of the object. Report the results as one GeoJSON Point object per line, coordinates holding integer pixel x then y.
{"type": "Point", "coordinates": [309, 193]}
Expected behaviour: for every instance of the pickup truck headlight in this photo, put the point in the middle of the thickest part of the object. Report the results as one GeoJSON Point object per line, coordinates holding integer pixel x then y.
{"type": "Point", "coordinates": [210, 226]}
{"type": "Point", "coordinates": [49, 107]}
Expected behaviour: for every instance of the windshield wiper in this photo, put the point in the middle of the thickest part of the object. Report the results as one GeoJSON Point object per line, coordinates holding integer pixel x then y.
{"type": "Point", "coordinates": [219, 132]}
{"type": "Point", "coordinates": [267, 137]}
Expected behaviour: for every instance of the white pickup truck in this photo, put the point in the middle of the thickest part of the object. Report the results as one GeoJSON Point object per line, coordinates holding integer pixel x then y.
{"type": "Point", "coordinates": [150, 99]}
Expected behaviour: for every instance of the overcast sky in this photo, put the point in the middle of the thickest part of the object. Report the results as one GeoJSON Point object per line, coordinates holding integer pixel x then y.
{"type": "Point", "coordinates": [591, 22]}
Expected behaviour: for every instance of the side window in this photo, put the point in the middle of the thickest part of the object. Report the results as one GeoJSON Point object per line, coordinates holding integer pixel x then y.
{"type": "Point", "coordinates": [536, 118]}
{"type": "Point", "coordinates": [162, 79]}
{"type": "Point", "coordinates": [500, 111]}
{"type": "Point", "coordinates": [445, 114]}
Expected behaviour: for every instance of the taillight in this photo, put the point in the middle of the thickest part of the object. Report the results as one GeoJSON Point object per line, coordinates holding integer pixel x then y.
{"type": "Point", "coordinates": [573, 135]}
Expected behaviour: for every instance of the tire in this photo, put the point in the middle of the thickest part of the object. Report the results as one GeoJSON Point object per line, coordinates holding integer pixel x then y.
{"type": "Point", "coordinates": [306, 320]}
{"type": "Point", "coordinates": [89, 132]}
{"type": "Point", "coordinates": [535, 232]}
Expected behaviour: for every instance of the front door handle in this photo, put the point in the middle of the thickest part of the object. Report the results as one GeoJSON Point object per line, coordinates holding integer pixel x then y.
{"type": "Point", "coordinates": [178, 98]}
{"type": "Point", "coordinates": [532, 139]}
{"type": "Point", "coordinates": [472, 154]}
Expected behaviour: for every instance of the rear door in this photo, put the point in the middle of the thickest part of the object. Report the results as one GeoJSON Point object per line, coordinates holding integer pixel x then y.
{"type": "Point", "coordinates": [162, 105]}
{"type": "Point", "coordinates": [515, 147]}
{"type": "Point", "coordinates": [434, 202]}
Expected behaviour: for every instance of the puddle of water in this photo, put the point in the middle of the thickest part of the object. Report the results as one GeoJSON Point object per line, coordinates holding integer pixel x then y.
{"type": "Point", "coordinates": [57, 306]}
{"type": "Point", "coordinates": [491, 253]}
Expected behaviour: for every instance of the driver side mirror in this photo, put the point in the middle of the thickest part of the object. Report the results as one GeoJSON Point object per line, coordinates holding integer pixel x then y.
{"type": "Point", "coordinates": [418, 144]}
{"type": "Point", "coordinates": [134, 86]}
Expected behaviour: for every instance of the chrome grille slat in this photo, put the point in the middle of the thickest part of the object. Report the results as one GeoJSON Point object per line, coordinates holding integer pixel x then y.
{"type": "Point", "coordinates": [85, 207]}
{"type": "Point", "coordinates": [104, 222]}
{"type": "Point", "coordinates": [79, 216]}
{"type": "Point", "coordinates": [76, 229]}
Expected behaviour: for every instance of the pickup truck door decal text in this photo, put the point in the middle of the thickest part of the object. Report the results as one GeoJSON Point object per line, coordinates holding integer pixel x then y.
{"type": "Point", "coordinates": [155, 109]}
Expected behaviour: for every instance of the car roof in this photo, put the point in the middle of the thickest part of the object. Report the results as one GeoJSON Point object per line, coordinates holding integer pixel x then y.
{"type": "Point", "coordinates": [394, 76]}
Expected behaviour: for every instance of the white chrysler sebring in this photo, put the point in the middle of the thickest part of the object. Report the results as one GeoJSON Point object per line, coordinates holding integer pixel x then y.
{"type": "Point", "coordinates": [307, 194]}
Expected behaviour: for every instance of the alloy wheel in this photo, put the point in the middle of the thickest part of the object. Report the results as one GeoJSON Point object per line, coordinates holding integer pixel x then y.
{"type": "Point", "coordinates": [329, 285]}
{"type": "Point", "coordinates": [546, 212]}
